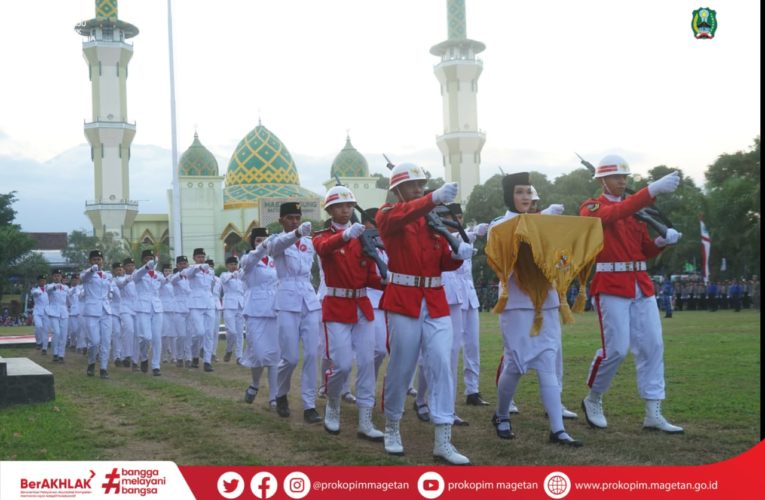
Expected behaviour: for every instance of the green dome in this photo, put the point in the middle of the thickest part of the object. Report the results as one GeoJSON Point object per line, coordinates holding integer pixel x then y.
{"type": "Point", "coordinates": [349, 163]}
{"type": "Point", "coordinates": [261, 166]}
{"type": "Point", "coordinates": [197, 160]}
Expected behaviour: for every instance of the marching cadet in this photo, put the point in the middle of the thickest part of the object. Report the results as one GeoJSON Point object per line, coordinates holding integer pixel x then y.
{"type": "Point", "coordinates": [346, 311]}
{"type": "Point", "coordinates": [416, 307]}
{"type": "Point", "coordinates": [623, 293]}
{"type": "Point", "coordinates": [115, 303]}
{"type": "Point", "coordinates": [217, 310]}
{"type": "Point", "coordinates": [181, 292]}
{"type": "Point", "coordinates": [374, 295]}
{"type": "Point", "coordinates": [76, 332]}
{"type": "Point", "coordinates": [259, 275]}
{"type": "Point", "coordinates": [58, 316]}
{"type": "Point", "coordinates": [522, 351]}
{"type": "Point", "coordinates": [233, 305]}
{"type": "Point", "coordinates": [128, 299]}
{"type": "Point", "coordinates": [149, 313]}
{"type": "Point", "coordinates": [167, 297]}
{"type": "Point", "coordinates": [200, 278]}
{"type": "Point", "coordinates": [297, 307]}
{"type": "Point", "coordinates": [95, 311]}
{"type": "Point", "coordinates": [41, 301]}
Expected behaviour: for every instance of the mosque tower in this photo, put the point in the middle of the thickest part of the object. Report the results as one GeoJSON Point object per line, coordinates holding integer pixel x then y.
{"type": "Point", "coordinates": [461, 141]}
{"type": "Point", "coordinates": [109, 133]}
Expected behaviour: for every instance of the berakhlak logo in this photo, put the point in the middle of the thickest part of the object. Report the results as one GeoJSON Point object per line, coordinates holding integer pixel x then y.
{"type": "Point", "coordinates": [296, 485]}
{"type": "Point", "coordinates": [430, 485]}
{"type": "Point", "coordinates": [704, 23]}
{"type": "Point", "coordinates": [112, 482]}
{"type": "Point", "coordinates": [230, 485]}
{"type": "Point", "coordinates": [557, 485]}
{"type": "Point", "coordinates": [263, 485]}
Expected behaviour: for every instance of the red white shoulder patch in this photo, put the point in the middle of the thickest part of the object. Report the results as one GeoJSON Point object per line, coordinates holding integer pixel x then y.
{"type": "Point", "coordinates": [592, 207]}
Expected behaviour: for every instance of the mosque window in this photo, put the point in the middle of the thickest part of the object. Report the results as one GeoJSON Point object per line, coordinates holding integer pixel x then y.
{"type": "Point", "coordinates": [99, 68]}
{"type": "Point", "coordinates": [118, 68]}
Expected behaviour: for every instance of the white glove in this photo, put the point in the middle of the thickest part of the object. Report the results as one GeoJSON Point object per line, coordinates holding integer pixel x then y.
{"type": "Point", "coordinates": [666, 184]}
{"type": "Point", "coordinates": [671, 238]}
{"type": "Point", "coordinates": [150, 265]}
{"type": "Point", "coordinates": [354, 231]}
{"type": "Point", "coordinates": [481, 229]}
{"type": "Point", "coordinates": [446, 193]}
{"type": "Point", "coordinates": [554, 209]}
{"type": "Point", "coordinates": [204, 267]}
{"type": "Point", "coordinates": [305, 229]}
{"type": "Point", "coordinates": [94, 268]}
{"type": "Point", "coordinates": [465, 251]}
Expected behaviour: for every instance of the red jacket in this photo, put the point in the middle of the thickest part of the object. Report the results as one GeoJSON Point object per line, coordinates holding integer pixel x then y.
{"type": "Point", "coordinates": [415, 250]}
{"type": "Point", "coordinates": [345, 266]}
{"type": "Point", "coordinates": [625, 239]}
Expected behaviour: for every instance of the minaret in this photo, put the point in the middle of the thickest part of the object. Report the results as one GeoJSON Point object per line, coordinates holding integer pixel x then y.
{"type": "Point", "coordinates": [109, 133]}
{"type": "Point", "coordinates": [458, 72]}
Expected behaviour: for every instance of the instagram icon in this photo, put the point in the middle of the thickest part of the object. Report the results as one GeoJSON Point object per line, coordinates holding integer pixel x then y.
{"type": "Point", "coordinates": [297, 485]}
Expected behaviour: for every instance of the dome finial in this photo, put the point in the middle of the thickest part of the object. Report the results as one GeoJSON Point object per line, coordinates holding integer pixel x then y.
{"type": "Point", "coordinates": [196, 134]}
{"type": "Point", "coordinates": [259, 124]}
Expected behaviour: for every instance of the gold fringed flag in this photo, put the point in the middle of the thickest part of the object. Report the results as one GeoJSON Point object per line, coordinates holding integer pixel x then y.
{"type": "Point", "coordinates": [545, 251]}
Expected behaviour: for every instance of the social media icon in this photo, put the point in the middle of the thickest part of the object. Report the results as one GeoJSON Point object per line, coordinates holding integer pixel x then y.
{"type": "Point", "coordinates": [430, 485]}
{"type": "Point", "coordinates": [263, 485]}
{"type": "Point", "coordinates": [230, 485]}
{"type": "Point", "coordinates": [557, 485]}
{"type": "Point", "coordinates": [296, 485]}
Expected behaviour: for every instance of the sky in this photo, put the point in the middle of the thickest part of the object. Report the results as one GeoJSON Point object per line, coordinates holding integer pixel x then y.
{"type": "Point", "coordinates": [559, 77]}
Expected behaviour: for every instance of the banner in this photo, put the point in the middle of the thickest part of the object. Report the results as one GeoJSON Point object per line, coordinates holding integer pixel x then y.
{"type": "Point", "coordinates": [706, 245]}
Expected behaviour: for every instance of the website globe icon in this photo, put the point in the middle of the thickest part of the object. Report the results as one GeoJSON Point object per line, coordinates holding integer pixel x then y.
{"type": "Point", "coordinates": [557, 485]}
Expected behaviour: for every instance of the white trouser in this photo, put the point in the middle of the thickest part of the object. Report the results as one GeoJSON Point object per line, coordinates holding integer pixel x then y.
{"type": "Point", "coordinates": [210, 342]}
{"type": "Point", "coordinates": [74, 330]}
{"type": "Point", "coordinates": [343, 341]}
{"type": "Point", "coordinates": [634, 325]}
{"type": "Point", "coordinates": [180, 321]}
{"type": "Point", "coordinates": [149, 332]}
{"type": "Point", "coordinates": [295, 327]}
{"type": "Point", "coordinates": [199, 322]}
{"type": "Point", "coordinates": [471, 353]}
{"type": "Point", "coordinates": [59, 328]}
{"type": "Point", "coordinates": [99, 332]}
{"type": "Point", "coordinates": [262, 342]}
{"type": "Point", "coordinates": [234, 322]}
{"type": "Point", "coordinates": [455, 314]}
{"type": "Point", "coordinates": [168, 336]}
{"type": "Point", "coordinates": [41, 329]}
{"type": "Point", "coordinates": [117, 337]}
{"type": "Point", "coordinates": [381, 339]}
{"type": "Point", "coordinates": [127, 322]}
{"type": "Point", "coordinates": [406, 337]}
{"type": "Point", "coordinates": [323, 356]}
{"type": "Point", "coordinates": [82, 335]}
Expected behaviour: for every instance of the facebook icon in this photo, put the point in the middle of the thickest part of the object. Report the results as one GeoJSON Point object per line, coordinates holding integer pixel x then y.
{"type": "Point", "coordinates": [263, 485]}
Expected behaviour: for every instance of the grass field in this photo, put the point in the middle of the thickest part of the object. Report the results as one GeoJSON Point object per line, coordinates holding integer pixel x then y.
{"type": "Point", "coordinates": [712, 369]}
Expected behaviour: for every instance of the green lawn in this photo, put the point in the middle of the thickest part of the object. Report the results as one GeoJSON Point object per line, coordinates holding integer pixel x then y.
{"type": "Point", "coordinates": [712, 368]}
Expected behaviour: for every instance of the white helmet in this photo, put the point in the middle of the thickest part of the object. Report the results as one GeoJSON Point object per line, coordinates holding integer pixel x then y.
{"type": "Point", "coordinates": [406, 172]}
{"type": "Point", "coordinates": [338, 194]}
{"type": "Point", "coordinates": [612, 165]}
{"type": "Point", "coordinates": [534, 194]}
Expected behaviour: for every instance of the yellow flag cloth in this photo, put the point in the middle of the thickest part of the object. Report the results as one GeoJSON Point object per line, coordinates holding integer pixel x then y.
{"type": "Point", "coordinates": [545, 251]}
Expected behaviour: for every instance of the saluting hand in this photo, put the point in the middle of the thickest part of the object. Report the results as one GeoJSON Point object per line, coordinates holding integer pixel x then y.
{"type": "Point", "coordinates": [305, 229]}
{"type": "Point", "coordinates": [354, 231]}
{"type": "Point", "coordinates": [666, 184]}
{"type": "Point", "coordinates": [446, 193]}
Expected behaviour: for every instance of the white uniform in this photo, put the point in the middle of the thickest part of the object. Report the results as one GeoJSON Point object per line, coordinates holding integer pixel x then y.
{"type": "Point", "coordinates": [76, 331]}
{"type": "Point", "coordinates": [471, 355]}
{"type": "Point", "coordinates": [200, 278]}
{"type": "Point", "coordinates": [128, 297]}
{"type": "Point", "coordinates": [233, 305]}
{"type": "Point", "coordinates": [181, 290]}
{"type": "Point", "coordinates": [40, 317]}
{"type": "Point", "coordinates": [381, 335]}
{"type": "Point", "coordinates": [523, 352]}
{"type": "Point", "coordinates": [58, 316]}
{"type": "Point", "coordinates": [298, 312]}
{"type": "Point", "coordinates": [115, 301]}
{"type": "Point", "coordinates": [259, 277]}
{"type": "Point", "coordinates": [167, 297]}
{"type": "Point", "coordinates": [149, 314]}
{"type": "Point", "coordinates": [217, 314]}
{"type": "Point", "coordinates": [95, 311]}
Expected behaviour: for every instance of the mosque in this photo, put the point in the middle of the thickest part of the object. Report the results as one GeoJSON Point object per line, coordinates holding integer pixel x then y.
{"type": "Point", "coordinates": [218, 210]}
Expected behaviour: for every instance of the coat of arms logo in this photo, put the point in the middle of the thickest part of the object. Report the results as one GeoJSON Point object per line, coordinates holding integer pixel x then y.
{"type": "Point", "coordinates": [704, 23]}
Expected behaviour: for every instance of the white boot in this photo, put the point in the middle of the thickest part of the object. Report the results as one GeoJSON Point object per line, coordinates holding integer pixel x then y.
{"type": "Point", "coordinates": [513, 410]}
{"type": "Point", "coordinates": [332, 416]}
{"type": "Point", "coordinates": [444, 449]}
{"type": "Point", "coordinates": [655, 420]}
{"type": "Point", "coordinates": [392, 438]}
{"type": "Point", "coordinates": [366, 427]}
{"type": "Point", "coordinates": [593, 410]}
{"type": "Point", "coordinates": [568, 414]}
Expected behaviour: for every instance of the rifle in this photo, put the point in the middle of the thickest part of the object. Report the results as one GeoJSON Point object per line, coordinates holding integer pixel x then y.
{"type": "Point", "coordinates": [649, 215]}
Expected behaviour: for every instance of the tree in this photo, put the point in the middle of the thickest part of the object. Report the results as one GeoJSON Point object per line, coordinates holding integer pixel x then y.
{"type": "Point", "coordinates": [80, 244]}
{"type": "Point", "coordinates": [29, 268]}
{"type": "Point", "coordinates": [13, 243]}
{"type": "Point", "coordinates": [571, 190]}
